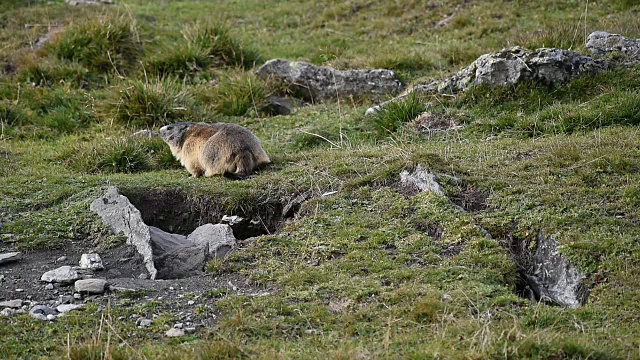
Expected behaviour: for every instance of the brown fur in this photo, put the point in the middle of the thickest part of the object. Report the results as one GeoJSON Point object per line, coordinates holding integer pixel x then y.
{"type": "Point", "coordinates": [215, 149]}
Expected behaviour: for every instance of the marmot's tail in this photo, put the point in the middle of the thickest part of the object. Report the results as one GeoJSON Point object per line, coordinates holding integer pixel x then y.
{"type": "Point", "coordinates": [244, 165]}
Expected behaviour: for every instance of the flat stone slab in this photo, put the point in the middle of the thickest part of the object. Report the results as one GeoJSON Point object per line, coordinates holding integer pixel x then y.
{"type": "Point", "coordinates": [62, 275]}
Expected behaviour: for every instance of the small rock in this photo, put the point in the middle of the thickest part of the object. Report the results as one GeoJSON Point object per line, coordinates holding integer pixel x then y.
{"type": "Point", "coordinates": [8, 312]}
{"type": "Point", "coordinates": [91, 286]}
{"type": "Point", "coordinates": [190, 302]}
{"type": "Point", "coordinates": [446, 297]}
{"type": "Point", "coordinates": [171, 288]}
{"type": "Point", "coordinates": [1, 278]}
{"type": "Point", "coordinates": [42, 317]}
{"type": "Point", "coordinates": [51, 317]}
{"type": "Point", "coordinates": [174, 332]}
{"type": "Point", "coordinates": [143, 322]}
{"type": "Point", "coordinates": [178, 326]}
{"type": "Point", "coordinates": [91, 261]}
{"type": "Point", "coordinates": [65, 308]}
{"type": "Point", "coordinates": [19, 290]}
{"type": "Point", "coordinates": [190, 330]}
{"type": "Point", "coordinates": [49, 287]}
{"type": "Point", "coordinates": [77, 296]}
{"type": "Point", "coordinates": [10, 257]}
{"type": "Point", "coordinates": [14, 304]}
{"type": "Point", "coordinates": [421, 180]}
{"type": "Point", "coordinates": [61, 259]}
{"type": "Point", "coordinates": [63, 275]}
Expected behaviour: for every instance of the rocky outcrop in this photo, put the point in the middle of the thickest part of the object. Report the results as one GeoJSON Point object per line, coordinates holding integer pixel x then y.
{"type": "Point", "coordinates": [165, 255]}
{"type": "Point", "coordinates": [421, 180]}
{"type": "Point", "coordinates": [602, 43]}
{"type": "Point", "coordinates": [512, 66]}
{"type": "Point", "coordinates": [318, 83]}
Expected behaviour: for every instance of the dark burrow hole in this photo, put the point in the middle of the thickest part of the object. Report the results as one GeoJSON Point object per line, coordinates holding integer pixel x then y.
{"type": "Point", "coordinates": [545, 275]}
{"type": "Point", "coordinates": [176, 212]}
{"type": "Point", "coordinates": [470, 199]}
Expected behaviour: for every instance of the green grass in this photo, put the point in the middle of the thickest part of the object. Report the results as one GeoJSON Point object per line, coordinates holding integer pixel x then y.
{"type": "Point", "coordinates": [369, 270]}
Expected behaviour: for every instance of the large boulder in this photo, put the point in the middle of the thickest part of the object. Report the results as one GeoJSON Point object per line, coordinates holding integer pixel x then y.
{"type": "Point", "coordinates": [514, 65]}
{"type": "Point", "coordinates": [509, 67]}
{"type": "Point", "coordinates": [317, 83]}
{"type": "Point", "coordinates": [602, 43]}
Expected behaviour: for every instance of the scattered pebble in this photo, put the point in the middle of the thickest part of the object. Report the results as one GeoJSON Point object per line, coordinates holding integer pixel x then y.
{"type": "Point", "coordinates": [61, 259]}
{"type": "Point", "coordinates": [91, 261]}
{"type": "Point", "coordinates": [173, 332]}
{"type": "Point", "coordinates": [143, 322]}
{"type": "Point", "coordinates": [51, 317]}
{"type": "Point", "coordinates": [190, 302]}
{"type": "Point", "coordinates": [77, 296]}
{"type": "Point", "coordinates": [49, 287]}
{"type": "Point", "coordinates": [190, 330]}
{"type": "Point", "coordinates": [19, 290]}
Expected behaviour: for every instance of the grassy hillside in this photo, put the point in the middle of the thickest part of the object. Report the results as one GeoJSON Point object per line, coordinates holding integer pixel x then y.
{"type": "Point", "coordinates": [364, 270]}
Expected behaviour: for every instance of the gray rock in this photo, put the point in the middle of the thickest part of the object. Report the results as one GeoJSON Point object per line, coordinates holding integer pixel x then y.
{"type": "Point", "coordinates": [89, 2]}
{"type": "Point", "coordinates": [141, 322]}
{"type": "Point", "coordinates": [14, 304]}
{"type": "Point", "coordinates": [43, 310]}
{"type": "Point", "coordinates": [317, 83]}
{"type": "Point", "coordinates": [514, 65]}
{"type": "Point", "coordinates": [65, 308]}
{"type": "Point", "coordinates": [63, 275]}
{"type": "Point", "coordinates": [51, 317]}
{"type": "Point", "coordinates": [143, 276]}
{"type": "Point", "coordinates": [19, 290]}
{"type": "Point", "coordinates": [173, 332]}
{"type": "Point", "coordinates": [41, 317]}
{"type": "Point", "coordinates": [91, 261]}
{"type": "Point", "coordinates": [279, 106]}
{"type": "Point", "coordinates": [178, 325]}
{"type": "Point", "coordinates": [61, 259]}
{"type": "Point", "coordinates": [176, 256]}
{"type": "Point", "coordinates": [511, 66]}
{"type": "Point", "coordinates": [49, 287]}
{"type": "Point", "coordinates": [189, 330]}
{"type": "Point", "coordinates": [8, 312]}
{"type": "Point", "coordinates": [77, 296]}
{"type": "Point", "coordinates": [122, 217]}
{"type": "Point", "coordinates": [218, 238]}
{"type": "Point", "coordinates": [602, 43]}
{"type": "Point", "coordinates": [10, 257]}
{"type": "Point", "coordinates": [91, 286]}
{"type": "Point", "coordinates": [553, 278]}
{"type": "Point", "coordinates": [1, 278]}
{"type": "Point", "coordinates": [421, 180]}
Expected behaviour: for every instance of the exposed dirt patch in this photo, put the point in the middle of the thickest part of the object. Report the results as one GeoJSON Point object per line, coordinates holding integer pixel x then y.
{"type": "Point", "coordinates": [470, 199]}
{"type": "Point", "coordinates": [431, 123]}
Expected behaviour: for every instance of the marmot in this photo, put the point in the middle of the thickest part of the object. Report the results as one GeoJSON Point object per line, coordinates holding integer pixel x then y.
{"type": "Point", "coordinates": [214, 149]}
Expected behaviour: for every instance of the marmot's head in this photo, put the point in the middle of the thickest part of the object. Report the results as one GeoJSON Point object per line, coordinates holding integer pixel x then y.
{"type": "Point", "coordinates": [173, 134]}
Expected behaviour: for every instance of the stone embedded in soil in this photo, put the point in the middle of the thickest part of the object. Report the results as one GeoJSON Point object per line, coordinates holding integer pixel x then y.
{"type": "Point", "coordinates": [14, 304]}
{"type": "Point", "coordinates": [43, 312]}
{"type": "Point", "coordinates": [65, 308]}
{"type": "Point", "coordinates": [142, 322]}
{"type": "Point", "coordinates": [51, 317]}
{"type": "Point", "coordinates": [189, 330]}
{"type": "Point", "coordinates": [175, 256]}
{"type": "Point", "coordinates": [317, 83]}
{"type": "Point", "coordinates": [602, 43]}
{"type": "Point", "coordinates": [219, 238]}
{"type": "Point", "coordinates": [121, 216]}
{"type": "Point", "coordinates": [63, 275]}
{"type": "Point", "coordinates": [10, 257]}
{"type": "Point", "coordinates": [91, 261]}
{"type": "Point", "coordinates": [49, 287]}
{"type": "Point", "coordinates": [91, 286]}
{"type": "Point", "coordinates": [173, 332]}
{"type": "Point", "coordinates": [9, 312]}
{"type": "Point", "coordinates": [61, 259]}
{"type": "Point", "coordinates": [421, 180]}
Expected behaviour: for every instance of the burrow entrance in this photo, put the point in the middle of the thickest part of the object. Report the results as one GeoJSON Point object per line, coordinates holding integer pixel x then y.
{"type": "Point", "coordinates": [544, 274]}
{"type": "Point", "coordinates": [176, 212]}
